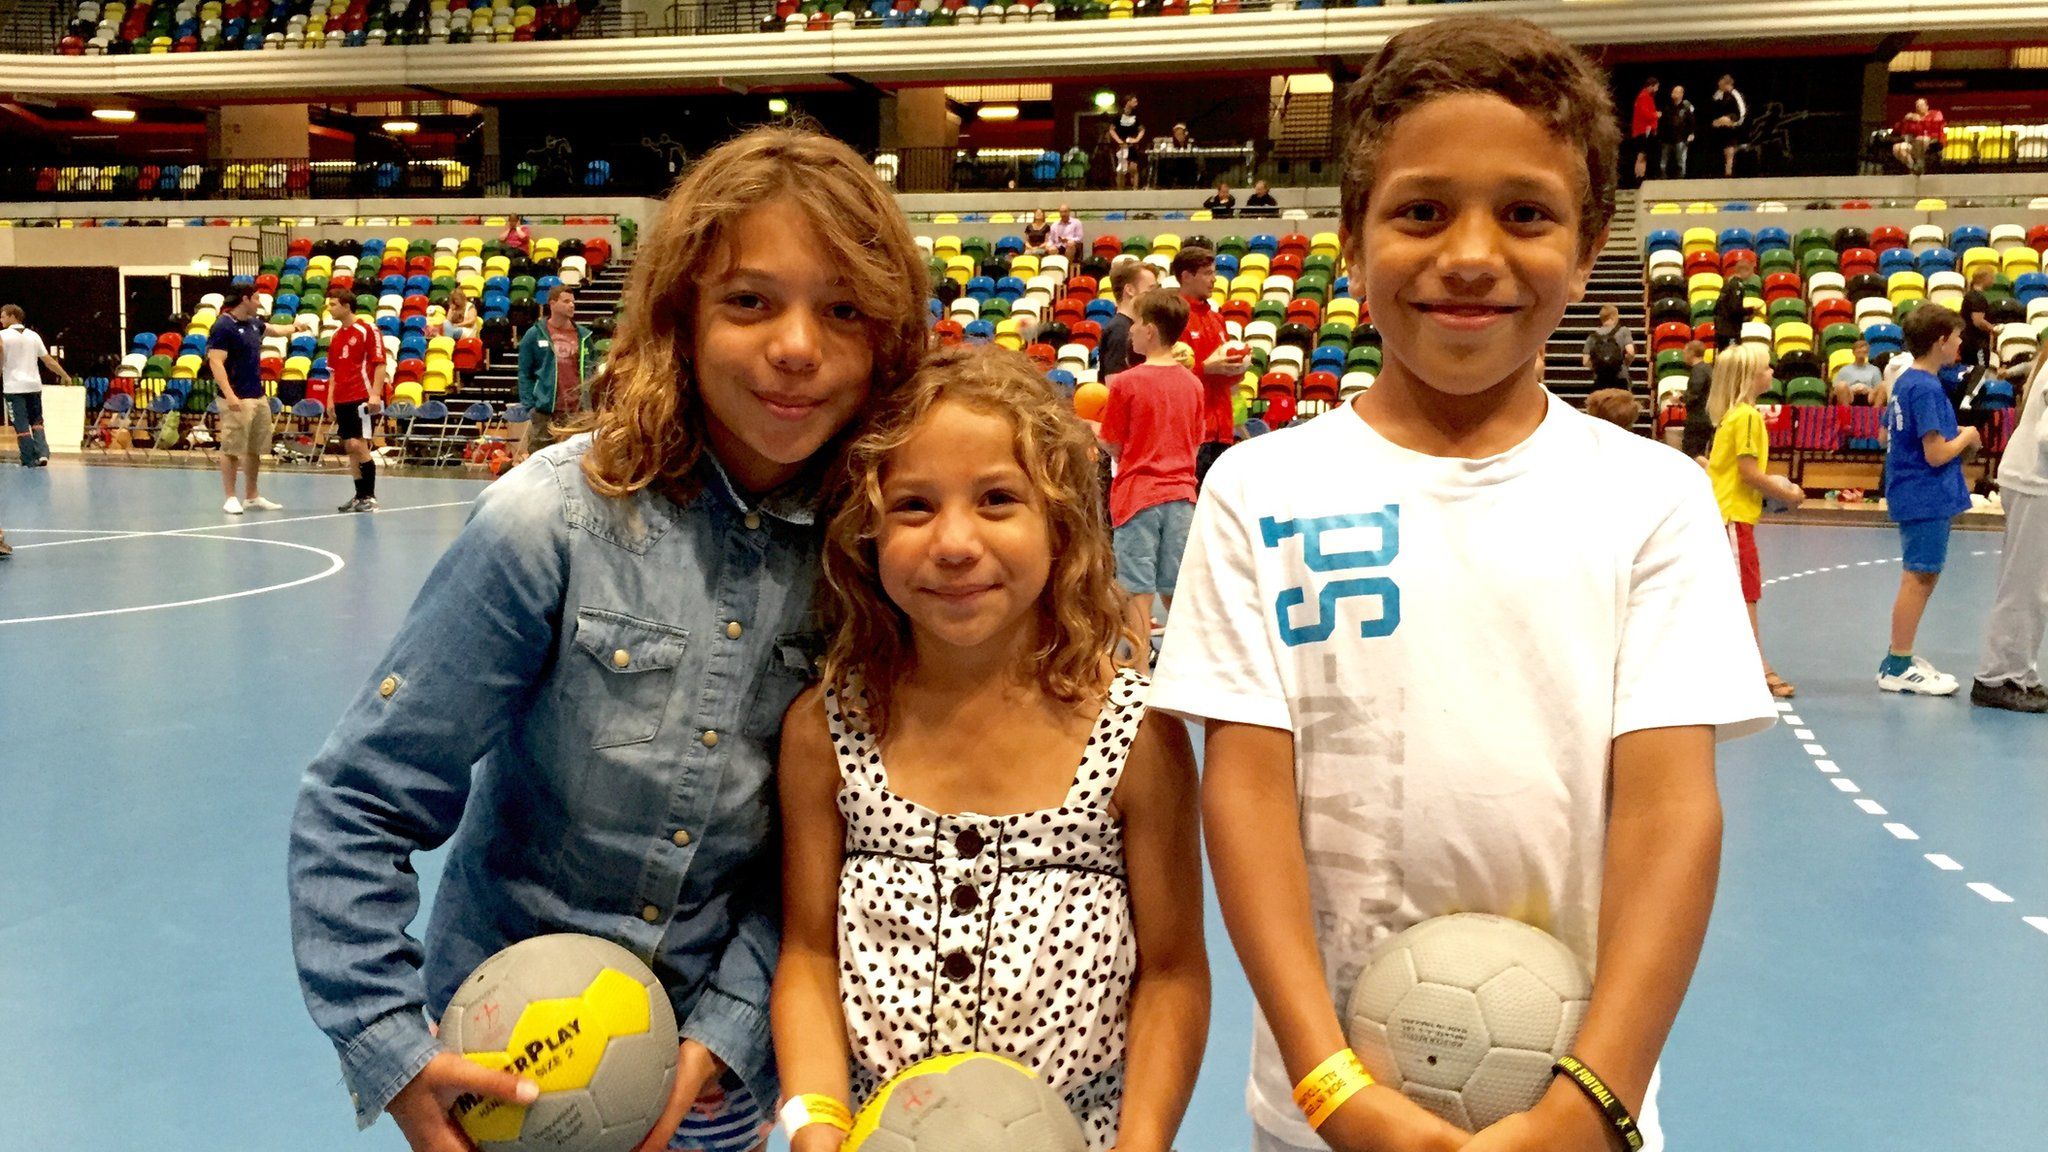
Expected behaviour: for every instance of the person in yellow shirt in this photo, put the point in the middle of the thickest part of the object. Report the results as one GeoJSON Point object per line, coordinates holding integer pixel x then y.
{"type": "Point", "coordinates": [1739, 466]}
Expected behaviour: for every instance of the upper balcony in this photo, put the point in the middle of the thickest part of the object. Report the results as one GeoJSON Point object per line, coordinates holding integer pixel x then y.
{"type": "Point", "coordinates": [841, 48]}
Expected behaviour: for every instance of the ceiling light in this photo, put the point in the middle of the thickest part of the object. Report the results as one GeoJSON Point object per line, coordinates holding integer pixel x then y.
{"type": "Point", "coordinates": [996, 112]}
{"type": "Point", "coordinates": [114, 115]}
{"type": "Point", "coordinates": [1105, 100]}
{"type": "Point", "coordinates": [401, 127]}
{"type": "Point", "coordinates": [778, 107]}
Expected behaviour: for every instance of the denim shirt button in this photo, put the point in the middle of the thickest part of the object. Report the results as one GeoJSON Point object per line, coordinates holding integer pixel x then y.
{"type": "Point", "coordinates": [681, 838]}
{"type": "Point", "coordinates": [621, 658]}
{"type": "Point", "coordinates": [650, 913]}
{"type": "Point", "coordinates": [389, 686]}
{"type": "Point", "coordinates": [752, 521]}
{"type": "Point", "coordinates": [733, 630]}
{"type": "Point", "coordinates": [711, 739]}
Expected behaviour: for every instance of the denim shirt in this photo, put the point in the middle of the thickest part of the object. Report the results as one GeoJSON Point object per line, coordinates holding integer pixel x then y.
{"type": "Point", "coordinates": [586, 697]}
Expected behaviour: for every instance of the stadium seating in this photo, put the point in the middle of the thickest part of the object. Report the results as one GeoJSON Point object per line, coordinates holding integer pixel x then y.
{"type": "Point", "coordinates": [154, 28]}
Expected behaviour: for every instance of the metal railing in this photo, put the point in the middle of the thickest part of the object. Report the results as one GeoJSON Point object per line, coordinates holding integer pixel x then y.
{"type": "Point", "coordinates": [559, 174]}
{"type": "Point", "coordinates": [941, 169]}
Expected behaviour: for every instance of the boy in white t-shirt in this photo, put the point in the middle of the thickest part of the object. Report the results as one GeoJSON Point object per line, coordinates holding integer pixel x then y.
{"type": "Point", "coordinates": [1458, 647]}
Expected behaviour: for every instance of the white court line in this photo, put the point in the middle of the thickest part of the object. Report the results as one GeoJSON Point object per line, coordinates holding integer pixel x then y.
{"type": "Point", "coordinates": [1819, 755]}
{"type": "Point", "coordinates": [335, 563]}
{"type": "Point", "coordinates": [260, 522]}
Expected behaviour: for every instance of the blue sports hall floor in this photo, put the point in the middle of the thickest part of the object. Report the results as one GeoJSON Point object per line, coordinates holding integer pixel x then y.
{"type": "Point", "coordinates": [1873, 980]}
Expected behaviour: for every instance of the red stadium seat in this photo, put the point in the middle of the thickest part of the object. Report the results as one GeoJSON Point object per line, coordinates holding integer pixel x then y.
{"type": "Point", "coordinates": [1086, 332]}
{"type": "Point", "coordinates": [1305, 311]}
{"type": "Point", "coordinates": [1294, 243]}
{"type": "Point", "coordinates": [1082, 287]}
{"type": "Point", "coordinates": [1322, 386]}
{"type": "Point", "coordinates": [1858, 262]}
{"type": "Point", "coordinates": [1833, 310]}
{"type": "Point", "coordinates": [1886, 237]}
{"type": "Point", "coordinates": [1044, 355]}
{"type": "Point", "coordinates": [1237, 312]}
{"type": "Point", "coordinates": [299, 247]}
{"type": "Point", "coordinates": [1287, 263]}
{"type": "Point", "coordinates": [949, 332]}
{"type": "Point", "coordinates": [1672, 336]}
{"type": "Point", "coordinates": [1704, 333]}
{"type": "Point", "coordinates": [469, 354]}
{"type": "Point", "coordinates": [1782, 286]}
{"type": "Point", "coordinates": [1701, 264]}
{"type": "Point", "coordinates": [1109, 247]}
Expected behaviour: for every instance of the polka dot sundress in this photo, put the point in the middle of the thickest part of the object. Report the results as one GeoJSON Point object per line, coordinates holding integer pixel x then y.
{"type": "Point", "coordinates": [1006, 934]}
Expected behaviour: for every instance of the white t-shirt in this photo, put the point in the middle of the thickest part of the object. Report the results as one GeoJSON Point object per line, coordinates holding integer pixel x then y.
{"type": "Point", "coordinates": [1455, 644]}
{"type": "Point", "coordinates": [2024, 468]}
{"type": "Point", "coordinates": [20, 352]}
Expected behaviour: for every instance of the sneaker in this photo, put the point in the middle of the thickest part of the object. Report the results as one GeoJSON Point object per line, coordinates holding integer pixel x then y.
{"type": "Point", "coordinates": [233, 507]}
{"type": "Point", "coordinates": [2007, 695]}
{"type": "Point", "coordinates": [1919, 679]}
{"type": "Point", "coordinates": [5, 550]}
{"type": "Point", "coordinates": [369, 504]}
{"type": "Point", "coordinates": [352, 505]}
{"type": "Point", "coordinates": [262, 504]}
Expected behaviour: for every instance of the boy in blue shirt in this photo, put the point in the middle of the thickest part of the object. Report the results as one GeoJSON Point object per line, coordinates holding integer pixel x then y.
{"type": "Point", "coordinates": [1924, 489]}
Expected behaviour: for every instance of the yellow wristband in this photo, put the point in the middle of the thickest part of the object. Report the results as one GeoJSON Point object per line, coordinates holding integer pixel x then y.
{"type": "Point", "coordinates": [801, 1112]}
{"type": "Point", "coordinates": [1334, 1081]}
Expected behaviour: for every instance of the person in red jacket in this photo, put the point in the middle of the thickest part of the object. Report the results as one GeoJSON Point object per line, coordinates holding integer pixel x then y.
{"type": "Point", "coordinates": [1921, 133]}
{"type": "Point", "coordinates": [1194, 270]}
{"type": "Point", "coordinates": [355, 365]}
{"type": "Point", "coordinates": [1642, 126]}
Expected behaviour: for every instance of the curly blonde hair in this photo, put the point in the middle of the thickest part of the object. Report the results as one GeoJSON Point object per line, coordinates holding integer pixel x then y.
{"type": "Point", "coordinates": [648, 427]}
{"type": "Point", "coordinates": [1081, 609]}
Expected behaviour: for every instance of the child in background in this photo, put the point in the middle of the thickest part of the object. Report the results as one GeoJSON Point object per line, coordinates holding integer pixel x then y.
{"type": "Point", "coordinates": [1617, 406]}
{"type": "Point", "coordinates": [1924, 489]}
{"type": "Point", "coordinates": [1152, 426]}
{"type": "Point", "coordinates": [2009, 673]}
{"type": "Point", "coordinates": [951, 880]}
{"type": "Point", "coordinates": [1699, 384]}
{"type": "Point", "coordinates": [1432, 680]}
{"type": "Point", "coordinates": [1739, 466]}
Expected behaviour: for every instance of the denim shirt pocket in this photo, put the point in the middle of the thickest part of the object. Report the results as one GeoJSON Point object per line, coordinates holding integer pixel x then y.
{"type": "Point", "coordinates": [624, 689]}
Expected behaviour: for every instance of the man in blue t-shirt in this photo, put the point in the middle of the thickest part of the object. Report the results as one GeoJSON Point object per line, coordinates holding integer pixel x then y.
{"type": "Point", "coordinates": [1924, 488]}
{"type": "Point", "coordinates": [234, 358]}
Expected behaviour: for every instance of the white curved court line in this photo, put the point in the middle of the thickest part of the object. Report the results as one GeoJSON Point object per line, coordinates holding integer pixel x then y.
{"type": "Point", "coordinates": [99, 535]}
{"type": "Point", "coordinates": [335, 564]}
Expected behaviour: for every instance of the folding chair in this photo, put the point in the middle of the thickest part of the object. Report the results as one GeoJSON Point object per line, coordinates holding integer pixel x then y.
{"type": "Point", "coordinates": [401, 413]}
{"type": "Point", "coordinates": [116, 415]}
{"type": "Point", "coordinates": [308, 420]}
{"type": "Point", "coordinates": [484, 428]}
{"type": "Point", "coordinates": [435, 415]}
{"type": "Point", "coordinates": [162, 422]}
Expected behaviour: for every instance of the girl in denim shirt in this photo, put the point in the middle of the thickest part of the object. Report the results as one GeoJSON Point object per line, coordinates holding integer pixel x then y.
{"type": "Point", "coordinates": [583, 701]}
{"type": "Point", "coordinates": [1021, 877]}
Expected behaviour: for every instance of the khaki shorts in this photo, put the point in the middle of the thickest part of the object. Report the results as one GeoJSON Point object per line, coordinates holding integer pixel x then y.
{"type": "Point", "coordinates": [245, 428]}
{"type": "Point", "coordinates": [540, 431]}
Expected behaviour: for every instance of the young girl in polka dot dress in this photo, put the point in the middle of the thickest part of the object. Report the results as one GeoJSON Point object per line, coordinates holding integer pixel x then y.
{"type": "Point", "coordinates": [989, 844]}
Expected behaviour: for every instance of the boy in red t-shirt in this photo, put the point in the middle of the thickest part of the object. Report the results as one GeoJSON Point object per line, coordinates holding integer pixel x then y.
{"type": "Point", "coordinates": [355, 367]}
{"type": "Point", "coordinates": [1152, 425]}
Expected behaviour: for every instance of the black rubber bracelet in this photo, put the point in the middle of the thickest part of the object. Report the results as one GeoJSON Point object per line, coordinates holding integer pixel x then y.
{"type": "Point", "coordinates": [1601, 1094]}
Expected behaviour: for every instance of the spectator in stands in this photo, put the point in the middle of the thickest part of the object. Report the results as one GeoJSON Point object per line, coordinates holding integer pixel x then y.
{"type": "Point", "coordinates": [1038, 234]}
{"type": "Point", "coordinates": [1221, 204]}
{"type": "Point", "coordinates": [1698, 438]}
{"type": "Point", "coordinates": [1152, 425]}
{"type": "Point", "coordinates": [1127, 136]}
{"type": "Point", "coordinates": [2009, 671]}
{"type": "Point", "coordinates": [1174, 157]}
{"type": "Point", "coordinates": [554, 358]}
{"type": "Point", "coordinates": [1642, 125]}
{"type": "Point", "coordinates": [1261, 202]}
{"type": "Point", "coordinates": [234, 356]}
{"type": "Point", "coordinates": [23, 356]}
{"type": "Point", "coordinates": [1068, 235]}
{"type": "Point", "coordinates": [1610, 352]}
{"type": "Point", "coordinates": [1921, 133]}
{"type": "Point", "coordinates": [1617, 406]}
{"type": "Point", "coordinates": [1128, 280]}
{"type": "Point", "coordinates": [1675, 132]}
{"type": "Point", "coordinates": [1219, 363]}
{"type": "Point", "coordinates": [1924, 489]}
{"type": "Point", "coordinates": [1730, 114]}
{"type": "Point", "coordinates": [541, 690]}
{"type": "Point", "coordinates": [459, 316]}
{"type": "Point", "coordinates": [1740, 469]}
{"type": "Point", "coordinates": [1731, 307]}
{"type": "Point", "coordinates": [518, 236]}
{"type": "Point", "coordinates": [1859, 381]}
{"type": "Point", "coordinates": [356, 383]}
{"type": "Point", "coordinates": [1978, 330]}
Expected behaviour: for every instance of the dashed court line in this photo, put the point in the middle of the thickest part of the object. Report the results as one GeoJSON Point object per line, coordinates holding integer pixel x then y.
{"type": "Point", "coordinates": [1818, 753]}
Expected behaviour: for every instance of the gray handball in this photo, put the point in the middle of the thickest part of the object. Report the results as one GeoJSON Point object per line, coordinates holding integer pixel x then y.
{"type": "Point", "coordinates": [584, 1018]}
{"type": "Point", "coordinates": [968, 1102]}
{"type": "Point", "coordinates": [1465, 1014]}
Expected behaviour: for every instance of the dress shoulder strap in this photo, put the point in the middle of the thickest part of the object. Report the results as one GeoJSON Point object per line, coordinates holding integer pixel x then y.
{"type": "Point", "coordinates": [853, 745]}
{"type": "Point", "coordinates": [1109, 747]}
